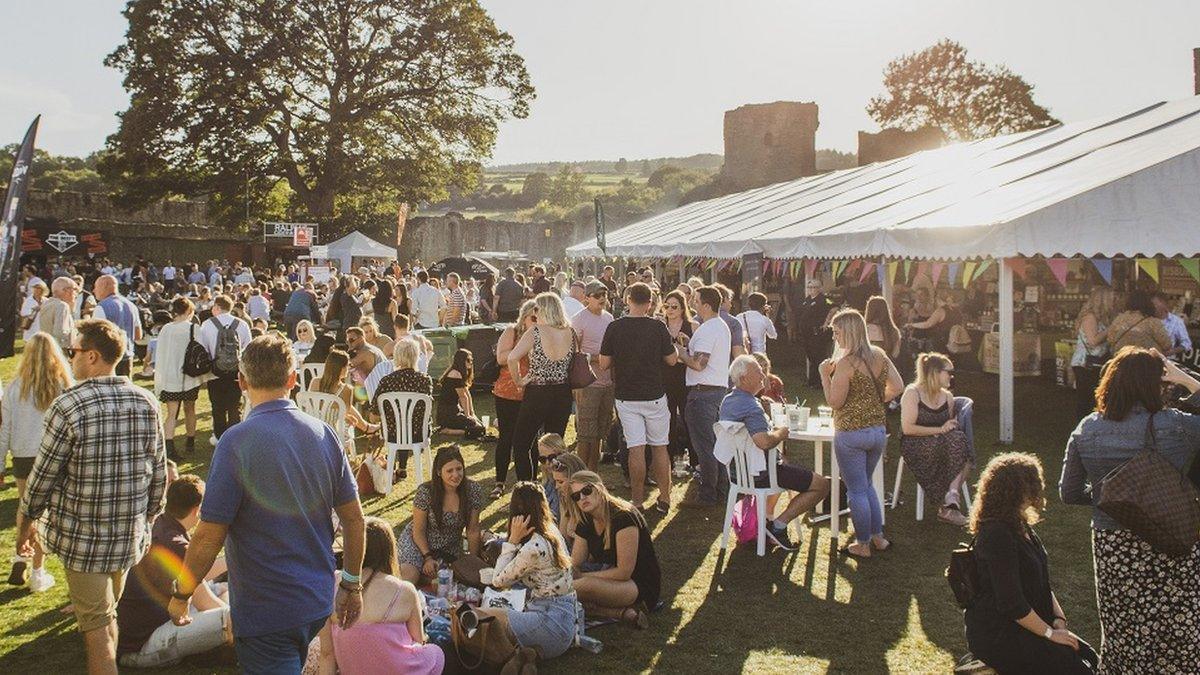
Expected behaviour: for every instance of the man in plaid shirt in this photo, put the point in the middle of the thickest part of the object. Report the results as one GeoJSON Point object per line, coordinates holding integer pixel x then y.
{"type": "Point", "coordinates": [98, 482]}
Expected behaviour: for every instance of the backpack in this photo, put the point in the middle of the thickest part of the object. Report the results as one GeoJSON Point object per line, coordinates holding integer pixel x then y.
{"type": "Point", "coordinates": [963, 574]}
{"type": "Point", "coordinates": [229, 349]}
{"type": "Point", "coordinates": [196, 360]}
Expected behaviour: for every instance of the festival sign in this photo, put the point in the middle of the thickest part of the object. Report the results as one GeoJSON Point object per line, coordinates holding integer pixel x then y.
{"type": "Point", "coordinates": [12, 218]}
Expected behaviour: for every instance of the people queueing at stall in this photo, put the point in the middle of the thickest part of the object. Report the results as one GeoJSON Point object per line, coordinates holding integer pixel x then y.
{"type": "Point", "coordinates": [674, 361]}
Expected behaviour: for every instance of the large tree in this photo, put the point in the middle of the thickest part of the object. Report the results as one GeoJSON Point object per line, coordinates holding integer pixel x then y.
{"type": "Point", "coordinates": [357, 105]}
{"type": "Point", "coordinates": [966, 99]}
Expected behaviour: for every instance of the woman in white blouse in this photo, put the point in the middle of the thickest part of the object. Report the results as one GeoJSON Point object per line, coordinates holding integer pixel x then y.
{"type": "Point", "coordinates": [536, 557]}
{"type": "Point", "coordinates": [41, 377]}
{"type": "Point", "coordinates": [170, 384]}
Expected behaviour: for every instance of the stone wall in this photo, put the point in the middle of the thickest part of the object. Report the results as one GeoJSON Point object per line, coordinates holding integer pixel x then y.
{"type": "Point", "coordinates": [431, 238]}
{"type": "Point", "coordinates": [64, 205]}
{"type": "Point", "coordinates": [895, 143]}
{"type": "Point", "coordinates": [769, 143]}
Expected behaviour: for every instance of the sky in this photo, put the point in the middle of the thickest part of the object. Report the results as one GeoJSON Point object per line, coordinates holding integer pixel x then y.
{"type": "Point", "coordinates": [638, 78]}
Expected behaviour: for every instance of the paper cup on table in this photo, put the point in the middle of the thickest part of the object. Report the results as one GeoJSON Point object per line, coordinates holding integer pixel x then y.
{"type": "Point", "coordinates": [486, 575]}
{"type": "Point", "coordinates": [487, 421]}
{"type": "Point", "coordinates": [803, 413]}
{"type": "Point", "coordinates": [777, 410]}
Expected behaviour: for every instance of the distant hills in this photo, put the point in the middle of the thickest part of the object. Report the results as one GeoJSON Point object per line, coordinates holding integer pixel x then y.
{"type": "Point", "coordinates": [827, 160]}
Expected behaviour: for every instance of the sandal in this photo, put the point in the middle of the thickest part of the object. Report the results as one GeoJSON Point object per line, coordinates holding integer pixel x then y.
{"type": "Point", "coordinates": [950, 513]}
{"type": "Point", "coordinates": [498, 491]}
{"type": "Point", "coordinates": [845, 550]}
{"type": "Point", "coordinates": [640, 620]}
{"type": "Point", "coordinates": [662, 507]}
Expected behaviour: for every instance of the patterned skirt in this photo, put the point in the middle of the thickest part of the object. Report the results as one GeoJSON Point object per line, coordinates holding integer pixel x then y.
{"type": "Point", "coordinates": [1149, 606]}
{"type": "Point", "coordinates": [189, 395]}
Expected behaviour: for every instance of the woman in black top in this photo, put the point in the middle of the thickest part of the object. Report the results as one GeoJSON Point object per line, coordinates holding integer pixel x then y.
{"type": "Point", "coordinates": [678, 317]}
{"type": "Point", "coordinates": [613, 536]}
{"type": "Point", "coordinates": [1015, 624]}
{"type": "Point", "coordinates": [456, 408]}
{"type": "Point", "coordinates": [487, 299]}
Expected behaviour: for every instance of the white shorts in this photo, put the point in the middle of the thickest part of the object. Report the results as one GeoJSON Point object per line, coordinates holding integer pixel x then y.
{"type": "Point", "coordinates": [645, 422]}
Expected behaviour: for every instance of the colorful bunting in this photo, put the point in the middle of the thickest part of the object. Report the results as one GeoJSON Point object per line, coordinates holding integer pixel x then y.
{"type": "Point", "coordinates": [1191, 265]}
{"type": "Point", "coordinates": [880, 270]}
{"type": "Point", "coordinates": [1017, 265]}
{"type": "Point", "coordinates": [892, 267]}
{"type": "Point", "coordinates": [810, 267]}
{"type": "Point", "coordinates": [936, 271]}
{"type": "Point", "coordinates": [1058, 266]}
{"type": "Point", "coordinates": [952, 274]}
{"type": "Point", "coordinates": [1150, 265]}
{"type": "Point", "coordinates": [1104, 267]}
{"type": "Point", "coordinates": [987, 262]}
{"type": "Point", "coordinates": [866, 270]}
{"type": "Point", "coordinates": [968, 272]}
{"type": "Point", "coordinates": [907, 271]}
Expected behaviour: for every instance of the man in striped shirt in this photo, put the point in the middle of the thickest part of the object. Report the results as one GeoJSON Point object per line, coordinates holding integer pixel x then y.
{"type": "Point", "coordinates": [457, 311]}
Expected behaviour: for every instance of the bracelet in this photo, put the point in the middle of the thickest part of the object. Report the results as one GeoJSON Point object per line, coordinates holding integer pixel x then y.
{"type": "Point", "coordinates": [350, 588]}
{"type": "Point", "coordinates": [350, 578]}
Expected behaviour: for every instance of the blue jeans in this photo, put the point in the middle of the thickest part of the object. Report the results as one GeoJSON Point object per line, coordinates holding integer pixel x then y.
{"type": "Point", "coordinates": [701, 412]}
{"type": "Point", "coordinates": [858, 453]}
{"type": "Point", "coordinates": [964, 412]}
{"type": "Point", "coordinates": [279, 653]}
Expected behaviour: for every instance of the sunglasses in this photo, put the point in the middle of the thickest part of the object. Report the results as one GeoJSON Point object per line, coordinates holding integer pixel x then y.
{"type": "Point", "coordinates": [542, 459]}
{"type": "Point", "coordinates": [70, 352]}
{"type": "Point", "coordinates": [585, 491]}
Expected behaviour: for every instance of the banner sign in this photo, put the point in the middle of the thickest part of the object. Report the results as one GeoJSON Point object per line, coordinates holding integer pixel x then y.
{"type": "Point", "coordinates": [54, 240]}
{"type": "Point", "coordinates": [318, 252]}
{"type": "Point", "coordinates": [11, 220]}
{"type": "Point", "coordinates": [599, 224]}
{"type": "Point", "coordinates": [301, 236]}
{"type": "Point", "coordinates": [288, 231]}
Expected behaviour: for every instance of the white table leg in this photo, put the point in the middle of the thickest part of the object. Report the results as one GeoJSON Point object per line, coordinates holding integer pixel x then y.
{"type": "Point", "coordinates": [819, 464]}
{"type": "Point", "coordinates": [877, 479]}
{"type": "Point", "coordinates": [835, 497]}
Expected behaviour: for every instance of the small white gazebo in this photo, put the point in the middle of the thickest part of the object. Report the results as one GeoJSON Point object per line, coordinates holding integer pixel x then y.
{"type": "Point", "coordinates": [358, 245]}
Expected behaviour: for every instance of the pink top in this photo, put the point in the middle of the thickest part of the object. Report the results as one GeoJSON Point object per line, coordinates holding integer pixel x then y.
{"type": "Point", "coordinates": [366, 649]}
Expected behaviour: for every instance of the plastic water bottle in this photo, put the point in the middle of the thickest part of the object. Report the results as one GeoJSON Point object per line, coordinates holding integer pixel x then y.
{"type": "Point", "coordinates": [445, 581]}
{"type": "Point", "coordinates": [590, 644]}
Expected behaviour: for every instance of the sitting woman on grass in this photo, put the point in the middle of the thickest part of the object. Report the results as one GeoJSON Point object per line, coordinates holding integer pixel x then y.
{"type": "Point", "coordinates": [937, 451]}
{"type": "Point", "coordinates": [536, 557]}
{"type": "Point", "coordinates": [443, 508]}
{"type": "Point", "coordinates": [389, 635]}
{"type": "Point", "coordinates": [550, 448]}
{"type": "Point", "coordinates": [562, 468]}
{"type": "Point", "coordinates": [612, 533]}
{"type": "Point", "coordinates": [456, 408]}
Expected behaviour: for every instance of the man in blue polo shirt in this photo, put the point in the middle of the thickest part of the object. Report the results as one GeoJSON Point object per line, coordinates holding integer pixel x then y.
{"type": "Point", "coordinates": [275, 479]}
{"type": "Point", "coordinates": [121, 311]}
{"type": "Point", "coordinates": [741, 405]}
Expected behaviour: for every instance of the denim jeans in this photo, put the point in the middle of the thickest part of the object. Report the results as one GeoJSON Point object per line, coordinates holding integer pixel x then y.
{"type": "Point", "coordinates": [859, 451]}
{"type": "Point", "coordinates": [279, 653]}
{"type": "Point", "coordinates": [701, 412]}
{"type": "Point", "coordinates": [964, 412]}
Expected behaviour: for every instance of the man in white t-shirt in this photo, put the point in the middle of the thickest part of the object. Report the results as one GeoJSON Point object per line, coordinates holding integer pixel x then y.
{"type": "Point", "coordinates": [427, 302]}
{"type": "Point", "coordinates": [574, 301]}
{"type": "Point", "coordinates": [707, 378]}
{"type": "Point", "coordinates": [757, 324]}
{"type": "Point", "coordinates": [168, 276]}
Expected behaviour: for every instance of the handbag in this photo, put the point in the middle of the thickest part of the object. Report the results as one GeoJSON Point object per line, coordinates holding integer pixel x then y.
{"type": "Point", "coordinates": [196, 359]}
{"type": "Point", "coordinates": [745, 520]}
{"type": "Point", "coordinates": [1153, 500]}
{"type": "Point", "coordinates": [581, 374]}
{"type": "Point", "coordinates": [466, 569]}
{"type": "Point", "coordinates": [481, 639]}
{"type": "Point", "coordinates": [959, 340]}
{"type": "Point", "coordinates": [963, 574]}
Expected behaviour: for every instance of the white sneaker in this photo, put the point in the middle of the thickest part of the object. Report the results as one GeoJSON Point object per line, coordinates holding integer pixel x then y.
{"type": "Point", "coordinates": [41, 580]}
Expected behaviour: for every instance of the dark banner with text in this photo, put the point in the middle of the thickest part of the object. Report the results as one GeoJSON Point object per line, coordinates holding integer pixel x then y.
{"type": "Point", "coordinates": [11, 220]}
{"type": "Point", "coordinates": [52, 240]}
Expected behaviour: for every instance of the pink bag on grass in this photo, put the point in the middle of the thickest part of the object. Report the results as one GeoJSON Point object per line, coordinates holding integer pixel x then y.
{"type": "Point", "coordinates": [745, 520]}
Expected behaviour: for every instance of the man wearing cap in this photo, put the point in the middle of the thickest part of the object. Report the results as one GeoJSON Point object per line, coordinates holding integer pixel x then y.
{"type": "Point", "coordinates": [594, 403]}
{"type": "Point", "coordinates": [815, 338]}
{"type": "Point", "coordinates": [573, 302]}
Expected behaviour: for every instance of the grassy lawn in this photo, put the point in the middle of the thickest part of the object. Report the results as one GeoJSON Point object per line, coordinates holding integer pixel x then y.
{"type": "Point", "coordinates": [807, 611]}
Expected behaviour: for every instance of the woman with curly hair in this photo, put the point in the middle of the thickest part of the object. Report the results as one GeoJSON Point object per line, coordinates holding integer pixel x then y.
{"type": "Point", "coordinates": [1148, 602]}
{"type": "Point", "coordinates": [1015, 624]}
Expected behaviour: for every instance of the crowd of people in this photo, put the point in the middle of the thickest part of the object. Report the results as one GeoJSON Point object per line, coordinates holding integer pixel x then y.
{"type": "Point", "coordinates": [645, 371]}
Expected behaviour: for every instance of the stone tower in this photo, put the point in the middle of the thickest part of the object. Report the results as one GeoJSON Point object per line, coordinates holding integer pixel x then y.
{"type": "Point", "coordinates": [768, 143]}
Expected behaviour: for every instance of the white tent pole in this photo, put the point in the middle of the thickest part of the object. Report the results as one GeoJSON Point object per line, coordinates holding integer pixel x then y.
{"type": "Point", "coordinates": [887, 283]}
{"type": "Point", "coordinates": [1006, 352]}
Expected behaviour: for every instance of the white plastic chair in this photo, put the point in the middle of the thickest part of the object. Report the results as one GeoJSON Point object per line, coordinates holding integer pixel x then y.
{"type": "Point", "coordinates": [402, 407]}
{"type": "Point", "coordinates": [742, 483]}
{"type": "Point", "coordinates": [326, 407]}
{"type": "Point", "coordinates": [310, 372]}
{"type": "Point", "coordinates": [965, 489]}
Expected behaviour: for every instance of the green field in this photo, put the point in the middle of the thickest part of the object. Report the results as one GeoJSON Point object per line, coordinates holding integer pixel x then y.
{"type": "Point", "coordinates": [804, 612]}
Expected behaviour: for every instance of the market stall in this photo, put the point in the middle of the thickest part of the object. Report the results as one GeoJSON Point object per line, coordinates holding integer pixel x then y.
{"type": "Point", "coordinates": [1113, 190]}
{"type": "Point", "coordinates": [357, 249]}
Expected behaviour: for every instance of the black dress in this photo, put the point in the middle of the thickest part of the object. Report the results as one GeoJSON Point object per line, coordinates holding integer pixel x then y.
{"type": "Point", "coordinates": [675, 382]}
{"type": "Point", "coordinates": [1014, 578]}
{"type": "Point", "coordinates": [646, 573]}
{"type": "Point", "coordinates": [449, 413]}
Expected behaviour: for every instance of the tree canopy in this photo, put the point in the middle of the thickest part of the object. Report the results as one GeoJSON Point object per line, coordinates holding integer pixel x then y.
{"type": "Point", "coordinates": [966, 99]}
{"type": "Point", "coordinates": [357, 105]}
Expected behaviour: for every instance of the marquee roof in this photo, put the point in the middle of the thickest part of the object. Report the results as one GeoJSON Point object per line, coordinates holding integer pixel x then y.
{"type": "Point", "coordinates": [1122, 185]}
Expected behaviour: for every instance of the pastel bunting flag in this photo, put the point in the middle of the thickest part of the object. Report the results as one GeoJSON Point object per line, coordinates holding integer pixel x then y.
{"type": "Point", "coordinates": [1058, 267]}
{"type": "Point", "coordinates": [968, 272]}
{"type": "Point", "coordinates": [952, 273]}
{"type": "Point", "coordinates": [1104, 267]}
{"type": "Point", "coordinates": [907, 271]}
{"type": "Point", "coordinates": [1017, 265]}
{"type": "Point", "coordinates": [892, 268]}
{"type": "Point", "coordinates": [838, 267]}
{"type": "Point", "coordinates": [880, 271]}
{"type": "Point", "coordinates": [866, 271]}
{"type": "Point", "coordinates": [935, 271]}
{"type": "Point", "coordinates": [1150, 266]}
{"type": "Point", "coordinates": [1191, 265]}
{"type": "Point", "coordinates": [986, 263]}
{"type": "Point", "coordinates": [810, 267]}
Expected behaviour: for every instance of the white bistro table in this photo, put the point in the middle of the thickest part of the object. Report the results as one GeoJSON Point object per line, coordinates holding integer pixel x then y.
{"type": "Point", "coordinates": [820, 437]}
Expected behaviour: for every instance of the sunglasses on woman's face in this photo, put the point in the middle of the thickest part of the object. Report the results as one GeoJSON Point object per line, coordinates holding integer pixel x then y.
{"type": "Point", "coordinates": [549, 458]}
{"type": "Point", "coordinates": [585, 491]}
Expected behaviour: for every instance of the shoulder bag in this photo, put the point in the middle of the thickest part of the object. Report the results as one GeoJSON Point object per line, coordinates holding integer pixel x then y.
{"type": "Point", "coordinates": [1154, 500]}
{"type": "Point", "coordinates": [580, 374]}
{"type": "Point", "coordinates": [963, 574]}
{"type": "Point", "coordinates": [196, 359]}
{"type": "Point", "coordinates": [480, 640]}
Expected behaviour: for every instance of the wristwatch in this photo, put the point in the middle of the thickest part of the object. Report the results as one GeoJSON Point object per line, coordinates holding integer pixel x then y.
{"type": "Point", "coordinates": [176, 594]}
